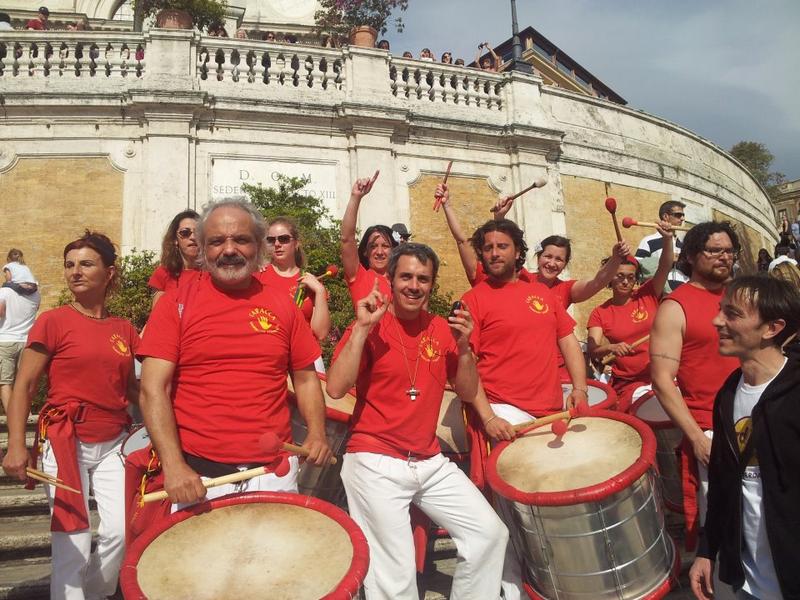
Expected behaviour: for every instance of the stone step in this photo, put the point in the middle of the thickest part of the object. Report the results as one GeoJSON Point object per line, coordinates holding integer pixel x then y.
{"type": "Point", "coordinates": [17, 501]}
{"type": "Point", "coordinates": [25, 579]}
{"type": "Point", "coordinates": [28, 536]}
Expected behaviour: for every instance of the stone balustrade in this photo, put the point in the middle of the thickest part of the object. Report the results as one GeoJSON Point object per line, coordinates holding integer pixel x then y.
{"type": "Point", "coordinates": [68, 54]}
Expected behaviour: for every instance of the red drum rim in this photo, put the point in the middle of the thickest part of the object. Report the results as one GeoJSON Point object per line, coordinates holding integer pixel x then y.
{"type": "Point", "coordinates": [592, 493]}
{"type": "Point", "coordinates": [611, 400]}
{"type": "Point", "coordinates": [348, 587]}
{"type": "Point", "coordinates": [134, 430]}
{"type": "Point", "coordinates": [668, 424]}
{"type": "Point", "coordinates": [658, 593]}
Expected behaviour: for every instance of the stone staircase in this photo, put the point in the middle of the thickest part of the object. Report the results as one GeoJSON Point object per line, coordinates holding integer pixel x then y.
{"type": "Point", "coordinates": [24, 533]}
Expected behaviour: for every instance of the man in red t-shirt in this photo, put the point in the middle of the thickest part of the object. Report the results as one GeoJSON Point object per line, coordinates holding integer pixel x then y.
{"type": "Point", "coordinates": [684, 347]}
{"type": "Point", "coordinates": [40, 23]}
{"type": "Point", "coordinates": [399, 356]}
{"type": "Point", "coordinates": [216, 356]}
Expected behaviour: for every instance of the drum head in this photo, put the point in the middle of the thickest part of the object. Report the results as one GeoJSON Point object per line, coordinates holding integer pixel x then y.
{"type": "Point", "coordinates": [251, 546]}
{"type": "Point", "coordinates": [599, 454]}
{"type": "Point", "coordinates": [451, 431]}
{"type": "Point", "coordinates": [649, 410]}
{"type": "Point", "coordinates": [136, 440]}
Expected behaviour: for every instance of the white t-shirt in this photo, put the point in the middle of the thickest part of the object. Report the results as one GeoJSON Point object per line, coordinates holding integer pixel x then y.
{"type": "Point", "coordinates": [20, 315]}
{"type": "Point", "coordinates": [19, 273]}
{"type": "Point", "coordinates": [760, 578]}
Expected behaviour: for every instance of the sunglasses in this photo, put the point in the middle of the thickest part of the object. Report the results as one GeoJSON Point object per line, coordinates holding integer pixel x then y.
{"type": "Point", "coordinates": [283, 239]}
{"type": "Point", "coordinates": [680, 215]}
{"type": "Point", "coordinates": [185, 233]}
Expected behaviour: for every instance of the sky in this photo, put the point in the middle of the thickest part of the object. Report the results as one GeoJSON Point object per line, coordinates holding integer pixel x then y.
{"type": "Point", "coordinates": [728, 70]}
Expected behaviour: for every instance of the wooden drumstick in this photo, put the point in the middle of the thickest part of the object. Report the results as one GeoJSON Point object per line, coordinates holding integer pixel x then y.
{"type": "Point", "coordinates": [541, 182]}
{"type": "Point", "coordinates": [611, 207]}
{"type": "Point", "coordinates": [272, 445]}
{"type": "Point", "coordinates": [609, 358]}
{"type": "Point", "coordinates": [578, 411]}
{"type": "Point", "coordinates": [210, 483]}
{"type": "Point", "coordinates": [628, 222]}
{"type": "Point", "coordinates": [437, 204]}
{"type": "Point", "coordinates": [49, 480]}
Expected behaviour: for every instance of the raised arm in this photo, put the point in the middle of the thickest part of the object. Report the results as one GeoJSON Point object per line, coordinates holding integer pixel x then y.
{"type": "Point", "coordinates": [465, 251]}
{"type": "Point", "coordinates": [350, 262]}
{"type": "Point", "coordinates": [495, 58]}
{"type": "Point", "coordinates": [586, 288]}
{"type": "Point", "coordinates": [321, 317]}
{"type": "Point", "coordinates": [666, 259]}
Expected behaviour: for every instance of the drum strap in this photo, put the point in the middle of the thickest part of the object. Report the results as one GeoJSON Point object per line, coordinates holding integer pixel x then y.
{"type": "Point", "coordinates": [210, 468]}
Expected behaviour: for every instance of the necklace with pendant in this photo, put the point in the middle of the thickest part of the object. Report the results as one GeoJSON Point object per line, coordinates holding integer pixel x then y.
{"type": "Point", "coordinates": [411, 392]}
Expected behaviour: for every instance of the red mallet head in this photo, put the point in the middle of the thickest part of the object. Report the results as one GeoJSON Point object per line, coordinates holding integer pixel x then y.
{"type": "Point", "coordinates": [559, 428]}
{"type": "Point", "coordinates": [270, 444]}
{"type": "Point", "coordinates": [333, 270]}
{"type": "Point", "coordinates": [611, 205]}
{"type": "Point", "coordinates": [627, 222]}
{"type": "Point", "coordinates": [282, 468]}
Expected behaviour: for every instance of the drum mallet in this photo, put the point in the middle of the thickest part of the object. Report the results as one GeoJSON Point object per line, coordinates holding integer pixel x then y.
{"type": "Point", "coordinates": [628, 222]}
{"type": "Point", "coordinates": [541, 182]}
{"type": "Point", "coordinates": [437, 204]}
{"type": "Point", "coordinates": [611, 207]}
{"type": "Point", "coordinates": [609, 358]}
{"type": "Point", "coordinates": [300, 292]}
{"type": "Point", "coordinates": [217, 481]}
{"type": "Point", "coordinates": [272, 445]}
{"type": "Point", "coordinates": [578, 411]}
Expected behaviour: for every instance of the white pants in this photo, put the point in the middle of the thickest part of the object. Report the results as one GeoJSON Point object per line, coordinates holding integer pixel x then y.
{"type": "Point", "coordinates": [702, 488]}
{"type": "Point", "coordinates": [380, 490]}
{"type": "Point", "coordinates": [77, 575]}
{"type": "Point", "coordinates": [512, 567]}
{"type": "Point", "coordinates": [268, 482]}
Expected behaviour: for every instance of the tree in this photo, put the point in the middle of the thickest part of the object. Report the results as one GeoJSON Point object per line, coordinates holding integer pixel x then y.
{"type": "Point", "coordinates": [758, 160]}
{"type": "Point", "coordinates": [320, 234]}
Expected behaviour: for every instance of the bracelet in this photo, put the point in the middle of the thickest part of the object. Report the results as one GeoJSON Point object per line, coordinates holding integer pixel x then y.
{"type": "Point", "coordinates": [489, 420]}
{"type": "Point", "coordinates": [580, 390]}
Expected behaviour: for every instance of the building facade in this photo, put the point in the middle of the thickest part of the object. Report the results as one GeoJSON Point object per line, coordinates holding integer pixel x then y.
{"type": "Point", "coordinates": [119, 131]}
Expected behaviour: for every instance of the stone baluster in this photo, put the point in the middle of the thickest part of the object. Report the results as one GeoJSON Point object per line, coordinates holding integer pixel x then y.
{"type": "Point", "coordinates": [436, 93]}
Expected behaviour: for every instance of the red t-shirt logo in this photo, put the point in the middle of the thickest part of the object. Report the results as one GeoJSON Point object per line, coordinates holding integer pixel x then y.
{"type": "Point", "coordinates": [119, 346]}
{"type": "Point", "coordinates": [263, 321]}
{"type": "Point", "coordinates": [538, 305]}
{"type": "Point", "coordinates": [429, 349]}
{"type": "Point", "coordinates": [638, 315]}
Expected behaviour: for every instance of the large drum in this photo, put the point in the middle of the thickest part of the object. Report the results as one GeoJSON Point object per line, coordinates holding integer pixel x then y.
{"type": "Point", "coordinates": [601, 395]}
{"type": "Point", "coordinates": [249, 547]}
{"type": "Point", "coordinates": [586, 511]}
{"type": "Point", "coordinates": [451, 430]}
{"type": "Point", "coordinates": [325, 482]}
{"type": "Point", "coordinates": [137, 439]}
{"type": "Point", "coordinates": [668, 438]}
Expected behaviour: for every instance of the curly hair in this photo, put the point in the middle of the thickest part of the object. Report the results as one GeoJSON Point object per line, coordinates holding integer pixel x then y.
{"type": "Point", "coordinates": [102, 244]}
{"type": "Point", "coordinates": [695, 241]}
{"type": "Point", "coordinates": [510, 228]}
{"type": "Point", "coordinates": [171, 258]}
{"type": "Point", "coordinates": [363, 245]}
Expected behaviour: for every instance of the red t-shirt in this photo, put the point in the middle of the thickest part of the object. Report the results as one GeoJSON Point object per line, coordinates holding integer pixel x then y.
{"type": "Point", "coordinates": [361, 286]}
{"type": "Point", "coordinates": [36, 24]}
{"type": "Point", "coordinates": [386, 420]}
{"type": "Point", "coordinates": [517, 328]}
{"type": "Point", "coordinates": [480, 275]}
{"type": "Point", "coordinates": [702, 370]}
{"type": "Point", "coordinates": [91, 361]}
{"type": "Point", "coordinates": [562, 289]}
{"type": "Point", "coordinates": [232, 351]}
{"type": "Point", "coordinates": [628, 323]}
{"type": "Point", "coordinates": [269, 276]}
{"type": "Point", "coordinates": [162, 281]}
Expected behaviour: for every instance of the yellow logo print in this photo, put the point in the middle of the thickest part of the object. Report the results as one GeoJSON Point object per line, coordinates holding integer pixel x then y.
{"type": "Point", "coordinates": [639, 314]}
{"type": "Point", "coordinates": [538, 305]}
{"type": "Point", "coordinates": [263, 321]}
{"type": "Point", "coordinates": [429, 349]}
{"type": "Point", "coordinates": [119, 346]}
{"type": "Point", "coordinates": [744, 429]}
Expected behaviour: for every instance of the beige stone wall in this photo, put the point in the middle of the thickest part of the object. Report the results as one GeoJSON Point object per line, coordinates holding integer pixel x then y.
{"type": "Point", "coordinates": [750, 240]}
{"type": "Point", "coordinates": [47, 202]}
{"type": "Point", "coordinates": [591, 231]}
{"type": "Point", "coordinates": [471, 199]}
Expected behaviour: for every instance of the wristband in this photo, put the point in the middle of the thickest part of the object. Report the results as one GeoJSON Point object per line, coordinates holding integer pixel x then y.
{"type": "Point", "coordinates": [489, 420]}
{"type": "Point", "coordinates": [586, 392]}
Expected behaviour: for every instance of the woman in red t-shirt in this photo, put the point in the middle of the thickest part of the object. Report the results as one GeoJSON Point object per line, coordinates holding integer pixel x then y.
{"type": "Point", "coordinates": [284, 271]}
{"type": "Point", "coordinates": [88, 357]}
{"type": "Point", "coordinates": [179, 252]}
{"type": "Point", "coordinates": [627, 317]}
{"type": "Point", "coordinates": [366, 261]}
